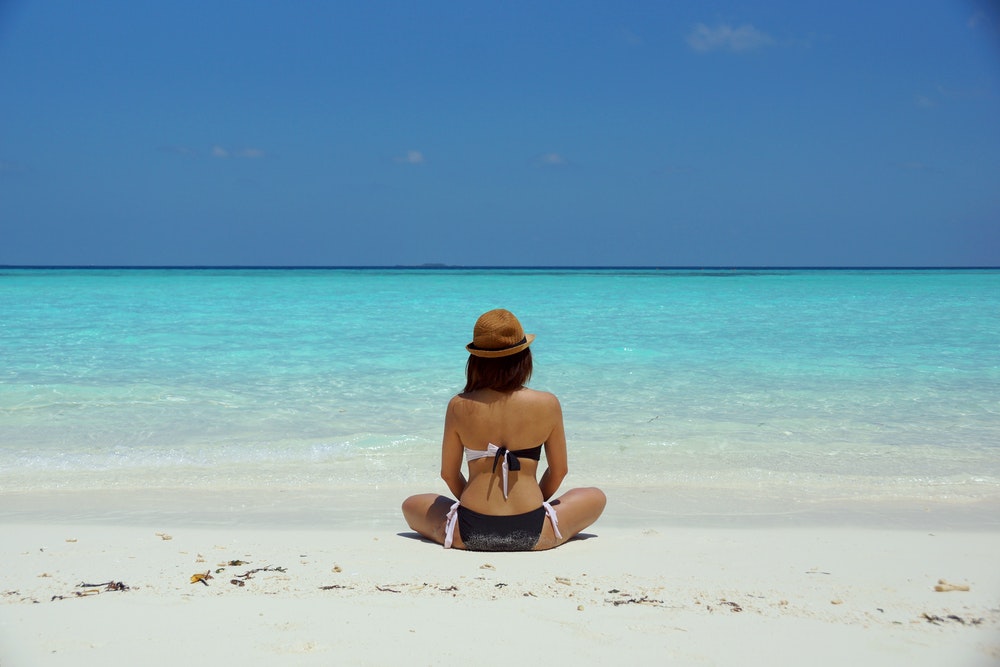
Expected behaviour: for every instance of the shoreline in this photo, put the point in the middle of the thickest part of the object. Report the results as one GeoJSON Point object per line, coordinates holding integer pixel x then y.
{"type": "Point", "coordinates": [376, 507]}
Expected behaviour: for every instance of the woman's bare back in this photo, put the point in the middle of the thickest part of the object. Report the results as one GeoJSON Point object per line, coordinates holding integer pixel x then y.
{"type": "Point", "coordinates": [518, 420]}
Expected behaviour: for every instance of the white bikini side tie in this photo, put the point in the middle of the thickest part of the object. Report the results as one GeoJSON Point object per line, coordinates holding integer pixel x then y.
{"type": "Point", "coordinates": [449, 525]}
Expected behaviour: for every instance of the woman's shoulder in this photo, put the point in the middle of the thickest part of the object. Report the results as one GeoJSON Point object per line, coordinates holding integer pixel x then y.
{"type": "Point", "coordinates": [538, 395]}
{"type": "Point", "coordinates": [458, 401]}
{"type": "Point", "coordinates": [537, 401]}
{"type": "Point", "coordinates": [524, 396]}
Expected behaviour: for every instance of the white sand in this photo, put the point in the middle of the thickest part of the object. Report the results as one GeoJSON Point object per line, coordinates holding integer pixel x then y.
{"type": "Point", "coordinates": [655, 595]}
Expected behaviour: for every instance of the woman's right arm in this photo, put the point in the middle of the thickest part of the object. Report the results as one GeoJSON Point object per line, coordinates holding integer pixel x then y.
{"type": "Point", "coordinates": [556, 458]}
{"type": "Point", "coordinates": [452, 452]}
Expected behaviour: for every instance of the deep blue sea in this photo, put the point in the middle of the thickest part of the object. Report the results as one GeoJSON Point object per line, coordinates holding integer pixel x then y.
{"type": "Point", "coordinates": [872, 385]}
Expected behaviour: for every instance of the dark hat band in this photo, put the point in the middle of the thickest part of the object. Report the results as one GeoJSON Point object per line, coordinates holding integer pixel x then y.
{"type": "Point", "coordinates": [502, 352]}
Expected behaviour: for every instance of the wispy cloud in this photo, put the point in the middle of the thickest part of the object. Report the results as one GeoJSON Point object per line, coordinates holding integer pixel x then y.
{"type": "Point", "coordinates": [217, 151]}
{"type": "Point", "coordinates": [551, 160]}
{"type": "Point", "coordinates": [965, 94]}
{"type": "Point", "coordinates": [985, 18]}
{"type": "Point", "coordinates": [977, 20]}
{"type": "Point", "coordinates": [411, 157]}
{"type": "Point", "coordinates": [246, 153]}
{"type": "Point", "coordinates": [727, 38]}
{"type": "Point", "coordinates": [943, 96]}
{"type": "Point", "coordinates": [629, 37]}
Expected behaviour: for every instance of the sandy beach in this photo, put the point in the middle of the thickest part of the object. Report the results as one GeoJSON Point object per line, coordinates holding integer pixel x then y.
{"type": "Point", "coordinates": [85, 591]}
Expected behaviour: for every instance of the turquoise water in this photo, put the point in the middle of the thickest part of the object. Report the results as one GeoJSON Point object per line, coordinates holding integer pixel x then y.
{"type": "Point", "coordinates": [881, 385]}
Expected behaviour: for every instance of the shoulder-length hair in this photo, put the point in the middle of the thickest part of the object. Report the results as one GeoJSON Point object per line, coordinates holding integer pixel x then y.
{"type": "Point", "coordinates": [504, 374]}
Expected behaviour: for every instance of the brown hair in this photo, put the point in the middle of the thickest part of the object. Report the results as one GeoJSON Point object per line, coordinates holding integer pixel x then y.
{"type": "Point", "coordinates": [504, 374]}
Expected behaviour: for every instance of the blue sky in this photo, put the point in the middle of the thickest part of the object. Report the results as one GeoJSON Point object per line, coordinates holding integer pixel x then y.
{"type": "Point", "coordinates": [765, 132]}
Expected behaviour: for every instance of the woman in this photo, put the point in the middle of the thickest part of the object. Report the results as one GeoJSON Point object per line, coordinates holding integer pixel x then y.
{"type": "Point", "coordinates": [500, 427]}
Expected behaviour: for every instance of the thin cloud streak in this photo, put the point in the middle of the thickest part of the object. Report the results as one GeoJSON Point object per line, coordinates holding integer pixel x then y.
{"type": "Point", "coordinates": [727, 38]}
{"type": "Point", "coordinates": [245, 153]}
{"type": "Point", "coordinates": [217, 151]}
{"type": "Point", "coordinates": [551, 160]}
{"type": "Point", "coordinates": [411, 157]}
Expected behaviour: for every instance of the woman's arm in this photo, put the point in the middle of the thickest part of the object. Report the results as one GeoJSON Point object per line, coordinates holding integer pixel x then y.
{"type": "Point", "coordinates": [451, 454]}
{"type": "Point", "coordinates": [556, 457]}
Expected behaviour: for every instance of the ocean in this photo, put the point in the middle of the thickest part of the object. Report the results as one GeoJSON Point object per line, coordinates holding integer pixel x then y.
{"type": "Point", "coordinates": [775, 386]}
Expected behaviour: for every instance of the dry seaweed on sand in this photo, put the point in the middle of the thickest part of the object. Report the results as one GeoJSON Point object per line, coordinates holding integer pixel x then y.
{"type": "Point", "coordinates": [643, 600]}
{"type": "Point", "coordinates": [249, 573]}
{"type": "Point", "coordinates": [938, 620]}
{"type": "Point", "coordinates": [627, 599]}
{"type": "Point", "coordinates": [93, 589]}
{"type": "Point", "coordinates": [239, 580]}
{"type": "Point", "coordinates": [108, 586]}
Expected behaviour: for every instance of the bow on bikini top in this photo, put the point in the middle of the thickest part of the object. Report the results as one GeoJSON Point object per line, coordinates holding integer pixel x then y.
{"type": "Point", "coordinates": [508, 460]}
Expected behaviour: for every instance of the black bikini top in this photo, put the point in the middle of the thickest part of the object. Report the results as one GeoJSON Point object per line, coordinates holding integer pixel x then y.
{"type": "Point", "coordinates": [508, 460]}
{"type": "Point", "coordinates": [533, 453]}
{"type": "Point", "coordinates": [501, 454]}
{"type": "Point", "coordinates": [513, 459]}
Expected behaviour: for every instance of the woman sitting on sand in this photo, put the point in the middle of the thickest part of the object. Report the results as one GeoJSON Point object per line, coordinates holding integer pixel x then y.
{"type": "Point", "coordinates": [501, 427]}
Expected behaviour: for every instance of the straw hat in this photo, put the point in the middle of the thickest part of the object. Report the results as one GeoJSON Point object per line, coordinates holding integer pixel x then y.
{"type": "Point", "coordinates": [498, 334]}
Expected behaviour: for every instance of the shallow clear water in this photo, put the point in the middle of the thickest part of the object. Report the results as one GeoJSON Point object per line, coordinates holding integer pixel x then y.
{"type": "Point", "coordinates": [785, 383]}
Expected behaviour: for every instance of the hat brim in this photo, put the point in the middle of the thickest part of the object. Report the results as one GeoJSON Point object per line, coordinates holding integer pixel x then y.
{"type": "Point", "coordinates": [505, 352]}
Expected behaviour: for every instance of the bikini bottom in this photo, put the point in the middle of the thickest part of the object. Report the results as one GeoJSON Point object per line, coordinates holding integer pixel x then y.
{"type": "Point", "coordinates": [490, 532]}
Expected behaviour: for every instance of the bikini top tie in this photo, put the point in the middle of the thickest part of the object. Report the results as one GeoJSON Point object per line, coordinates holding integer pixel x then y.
{"type": "Point", "coordinates": [507, 459]}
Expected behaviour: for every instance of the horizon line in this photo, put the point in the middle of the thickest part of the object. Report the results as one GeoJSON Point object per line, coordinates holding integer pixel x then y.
{"type": "Point", "coordinates": [435, 266]}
